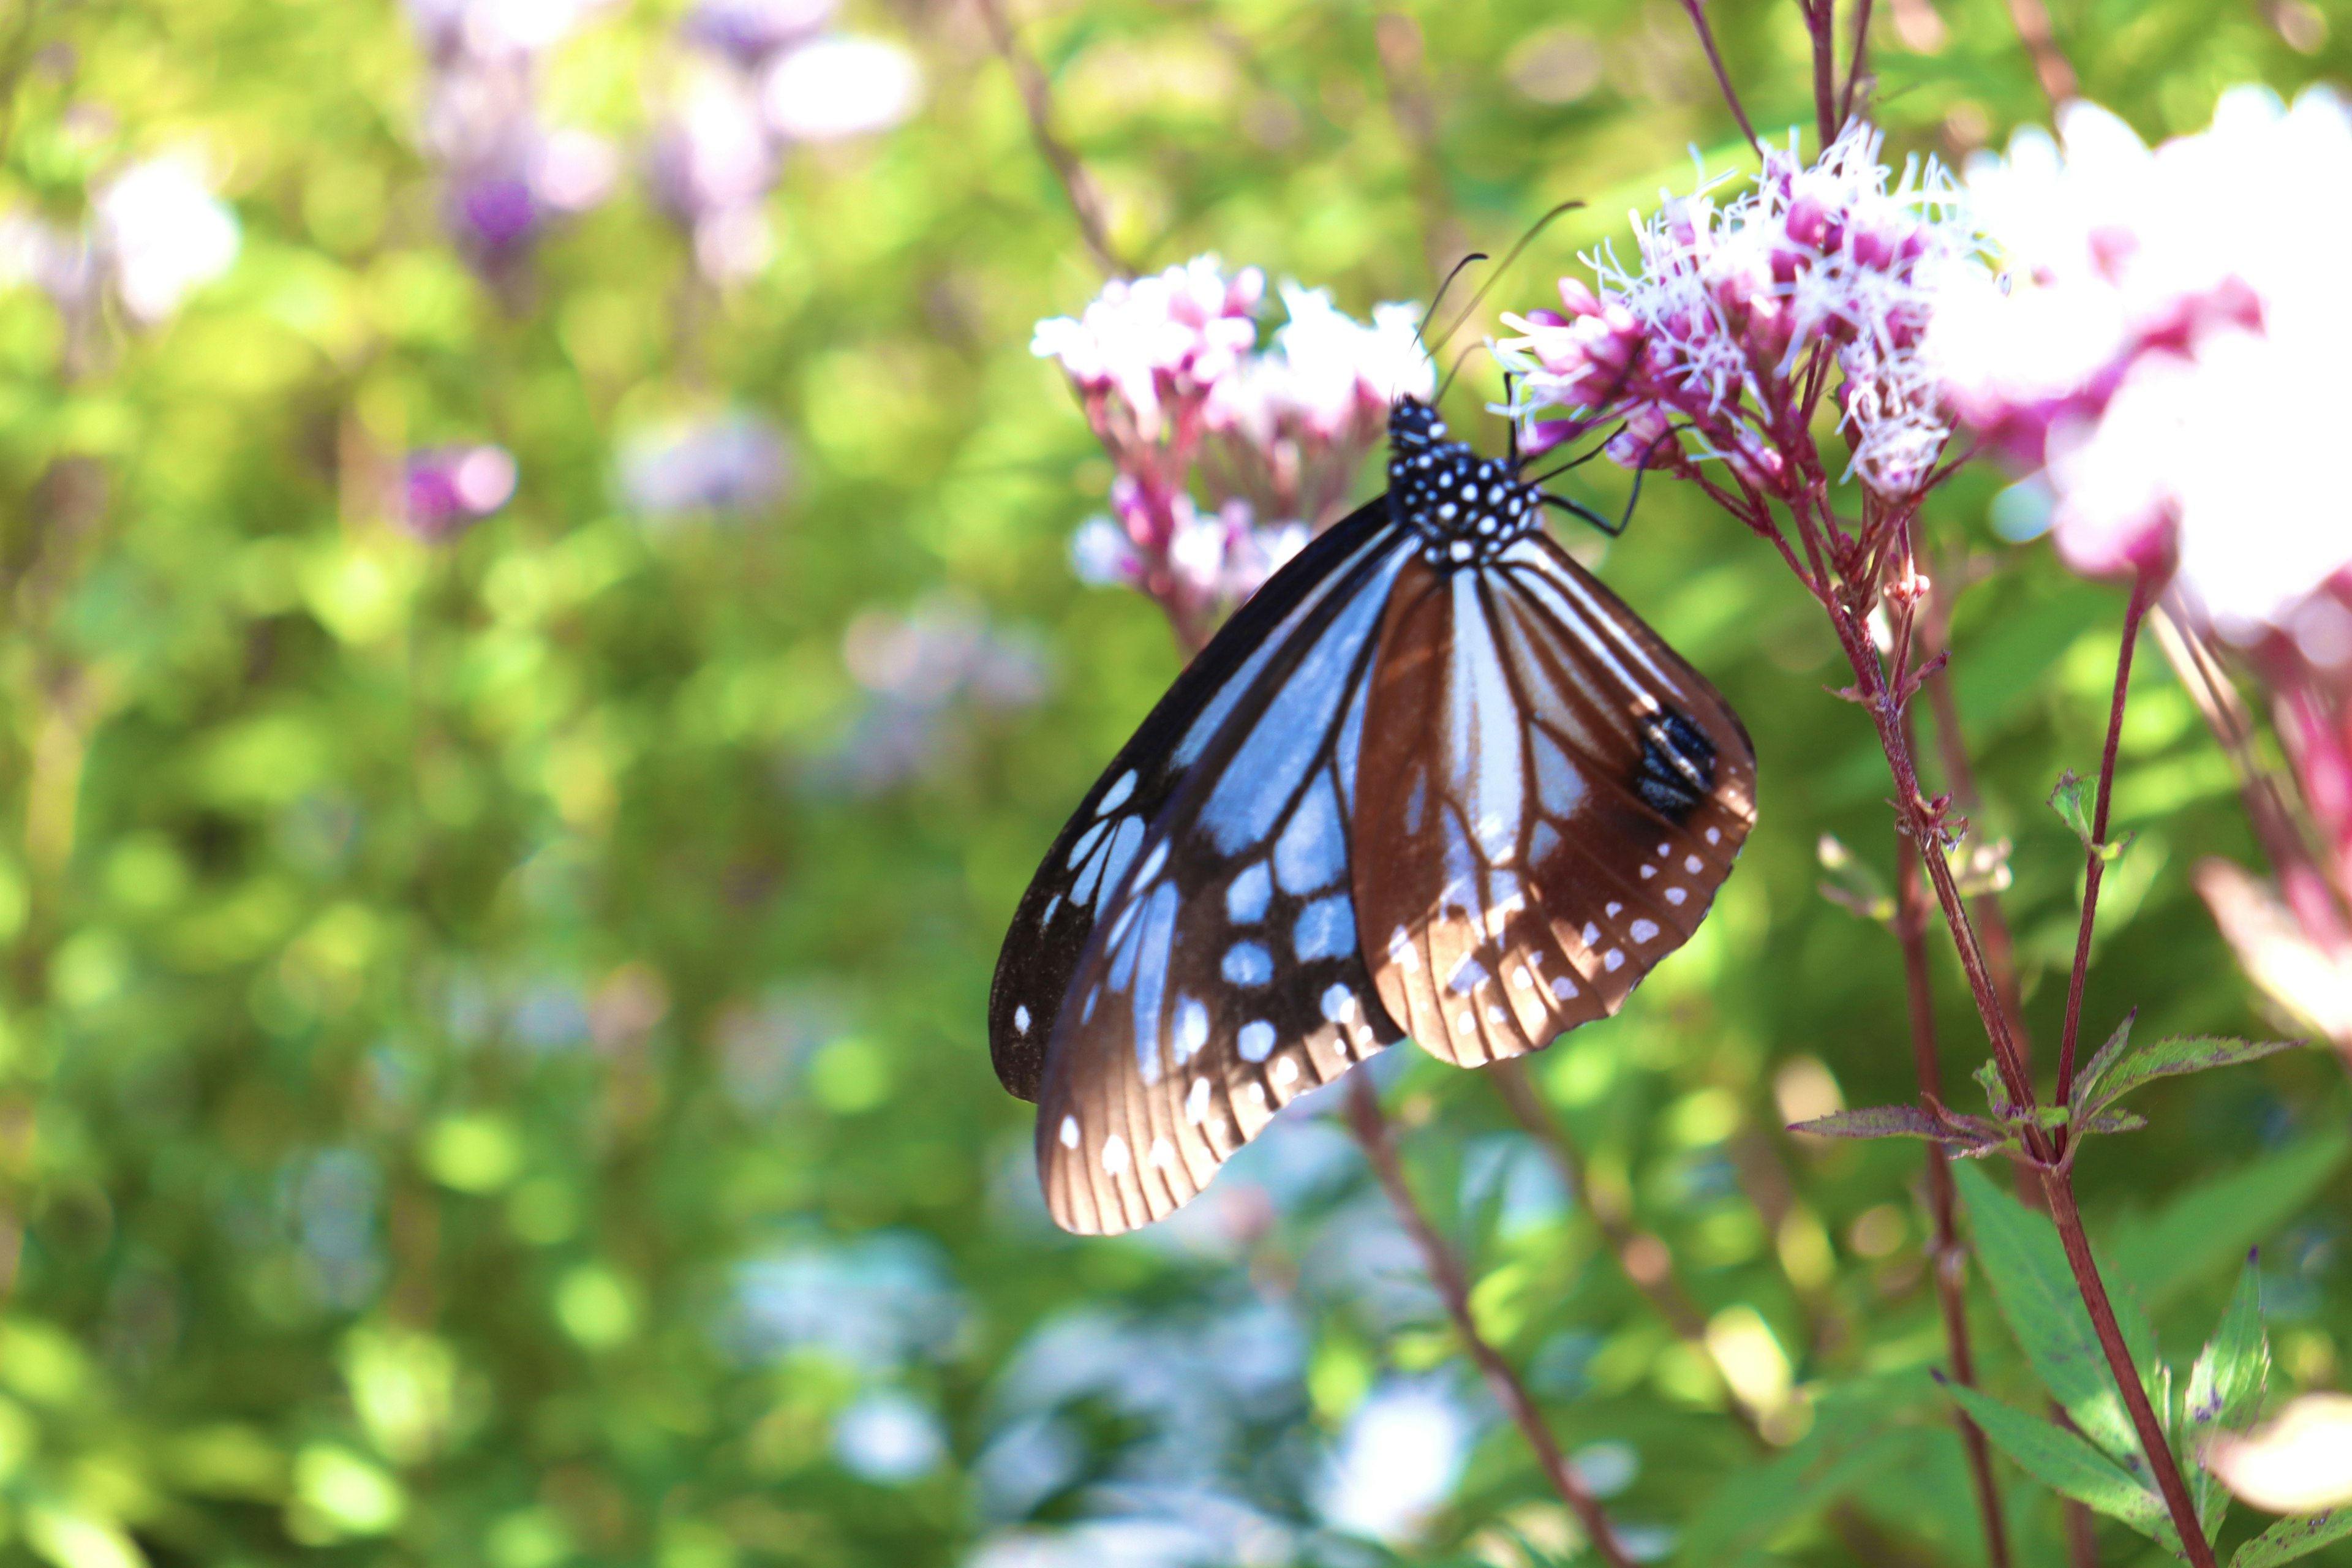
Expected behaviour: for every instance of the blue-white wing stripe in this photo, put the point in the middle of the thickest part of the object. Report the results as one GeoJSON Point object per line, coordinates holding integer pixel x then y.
{"type": "Point", "coordinates": [1257, 782]}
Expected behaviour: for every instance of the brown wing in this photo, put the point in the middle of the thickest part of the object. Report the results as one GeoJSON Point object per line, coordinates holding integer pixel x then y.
{"type": "Point", "coordinates": [1547, 799]}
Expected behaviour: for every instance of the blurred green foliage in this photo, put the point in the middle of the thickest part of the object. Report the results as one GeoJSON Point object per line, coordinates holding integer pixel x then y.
{"type": "Point", "coordinates": [492, 1067]}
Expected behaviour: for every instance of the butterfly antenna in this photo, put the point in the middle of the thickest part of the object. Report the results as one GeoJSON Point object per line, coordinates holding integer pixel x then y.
{"type": "Point", "coordinates": [1524, 240]}
{"type": "Point", "coordinates": [1511, 421]}
{"type": "Point", "coordinates": [1421, 331]}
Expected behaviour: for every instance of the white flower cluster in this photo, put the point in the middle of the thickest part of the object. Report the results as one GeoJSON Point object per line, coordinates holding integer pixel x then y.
{"type": "Point", "coordinates": [157, 234]}
{"type": "Point", "coordinates": [2169, 344]}
{"type": "Point", "coordinates": [1168, 369]}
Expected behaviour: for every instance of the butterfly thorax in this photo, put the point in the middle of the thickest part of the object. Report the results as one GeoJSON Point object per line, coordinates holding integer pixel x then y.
{"type": "Point", "coordinates": [1466, 509]}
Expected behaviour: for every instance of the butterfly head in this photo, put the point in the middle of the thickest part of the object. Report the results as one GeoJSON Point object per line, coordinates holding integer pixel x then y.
{"type": "Point", "coordinates": [1466, 509]}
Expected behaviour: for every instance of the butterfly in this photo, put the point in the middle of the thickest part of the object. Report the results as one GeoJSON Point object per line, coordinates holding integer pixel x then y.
{"type": "Point", "coordinates": [1431, 779]}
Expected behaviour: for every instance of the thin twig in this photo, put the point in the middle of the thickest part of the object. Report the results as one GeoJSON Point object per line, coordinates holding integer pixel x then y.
{"type": "Point", "coordinates": [1445, 1272]}
{"type": "Point", "coordinates": [1946, 1257]}
{"type": "Point", "coordinates": [2051, 67]}
{"type": "Point", "coordinates": [1820, 21]}
{"type": "Point", "coordinates": [2094, 853]}
{"type": "Point", "coordinates": [1857, 62]}
{"type": "Point", "coordinates": [2310, 892]}
{"type": "Point", "coordinates": [1722, 76]}
{"type": "Point", "coordinates": [1037, 98]}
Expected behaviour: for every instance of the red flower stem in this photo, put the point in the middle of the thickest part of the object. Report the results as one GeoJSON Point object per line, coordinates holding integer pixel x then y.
{"type": "Point", "coordinates": [1820, 20]}
{"type": "Point", "coordinates": [1037, 98]}
{"type": "Point", "coordinates": [2060, 1185]}
{"type": "Point", "coordinates": [2051, 67]}
{"type": "Point", "coordinates": [1722, 78]}
{"type": "Point", "coordinates": [1445, 1272]}
{"type": "Point", "coordinates": [1946, 1257]}
{"type": "Point", "coordinates": [1920, 824]}
{"type": "Point", "coordinates": [2095, 859]}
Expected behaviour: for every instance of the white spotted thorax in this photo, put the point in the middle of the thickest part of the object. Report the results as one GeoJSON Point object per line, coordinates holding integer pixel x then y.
{"type": "Point", "coordinates": [1466, 509]}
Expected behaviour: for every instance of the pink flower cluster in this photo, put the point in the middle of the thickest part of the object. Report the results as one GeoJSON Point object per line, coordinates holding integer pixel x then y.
{"type": "Point", "coordinates": [1174, 386]}
{"type": "Point", "coordinates": [1713, 332]}
{"type": "Point", "coordinates": [2169, 346]}
{"type": "Point", "coordinates": [2168, 352]}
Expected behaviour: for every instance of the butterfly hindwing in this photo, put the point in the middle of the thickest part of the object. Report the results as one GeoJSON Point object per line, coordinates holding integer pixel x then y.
{"type": "Point", "coordinates": [1557, 796]}
{"type": "Point", "coordinates": [1223, 977]}
{"type": "Point", "coordinates": [1099, 844]}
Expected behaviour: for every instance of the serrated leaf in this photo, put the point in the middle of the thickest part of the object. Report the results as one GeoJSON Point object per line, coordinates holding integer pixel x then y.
{"type": "Point", "coordinates": [2174, 1056]}
{"type": "Point", "coordinates": [2291, 1538]}
{"type": "Point", "coordinates": [2088, 1081]}
{"type": "Point", "coordinates": [2110, 1122]}
{"type": "Point", "coordinates": [2069, 1466]}
{"type": "Point", "coordinates": [1899, 1121]}
{"type": "Point", "coordinates": [2225, 1387]}
{"type": "Point", "coordinates": [2034, 1289]}
{"type": "Point", "coordinates": [2214, 1221]}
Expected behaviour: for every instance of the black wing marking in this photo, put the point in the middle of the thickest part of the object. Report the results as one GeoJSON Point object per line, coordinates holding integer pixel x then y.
{"type": "Point", "coordinates": [1098, 845]}
{"type": "Point", "coordinates": [1225, 978]}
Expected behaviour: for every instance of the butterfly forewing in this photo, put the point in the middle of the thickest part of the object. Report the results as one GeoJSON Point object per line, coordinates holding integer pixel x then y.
{"type": "Point", "coordinates": [1102, 839]}
{"type": "Point", "coordinates": [1557, 796]}
{"type": "Point", "coordinates": [1223, 977]}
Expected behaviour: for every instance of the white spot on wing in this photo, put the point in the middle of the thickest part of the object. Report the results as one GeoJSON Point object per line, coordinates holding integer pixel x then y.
{"type": "Point", "coordinates": [1714, 835]}
{"type": "Point", "coordinates": [1069, 1132]}
{"type": "Point", "coordinates": [1614, 909]}
{"type": "Point", "coordinates": [1196, 1102]}
{"type": "Point", "coordinates": [1116, 796]}
{"type": "Point", "coordinates": [1192, 1027]}
{"type": "Point", "coordinates": [1563, 987]}
{"type": "Point", "coordinates": [1591, 934]}
{"type": "Point", "coordinates": [1247, 898]}
{"type": "Point", "coordinates": [1694, 864]}
{"type": "Point", "coordinates": [1256, 1040]}
{"type": "Point", "coordinates": [1021, 1020]}
{"type": "Point", "coordinates": [1285, 1071]}
{"type": "Point", "coordinates": [1163, 1154]}
{"type": "Point", "coordinates": [1339, 1003]}
{"type": "Point", "coordinates": [1643, 931]}
{"type": "Point", "coordinates": [1521, 978]}
{"type": "Point", "coordinates": [1115, 1154]}
{"type": "Point", "coordinates": [1613, 961]}
{"type": "Point", "coordinates": [1675, 895]}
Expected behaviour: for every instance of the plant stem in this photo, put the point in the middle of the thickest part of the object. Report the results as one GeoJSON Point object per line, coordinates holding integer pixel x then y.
{"type": "Point", "coordinates": [1445, 1272]}
{"type": "Point", "coordinates": [1037, 98]}
{"type": "Point", "coordinates": [1722, 76]}
{"type": "Point", "coordinates": [1946, 1257]}
{"type": "Point", "coordinates": [2077, 1243]}
{"type": "Point", "coordinates": [2094, 853]}
{"type": "Point", "coordinates": [1920, 823]}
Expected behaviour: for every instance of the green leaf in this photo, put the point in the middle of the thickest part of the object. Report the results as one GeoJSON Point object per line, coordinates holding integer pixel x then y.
{"type": "Point", "coordinates": [2225, 1387]}
{"type": "Point", "coordinates": [2117, 1043]}
{"type": "Point", "coordinates": [2215, 1221]}
{"type": "Point", "coordinates": [1845, 1451]}
{"type": "Point", "coordinates": [1900, 1121]}
{"type": "Point", "coordinates": [2172, 1057]}
{"type": "Point", "coordinates": [2034, 1289]}
{"type": "Point", "coordinates": [2291, 1538]}
{"type": "Point", "coordinates": [2069, 1466]}
{"type": "Point", "coordinates": [2071, 801]}
{"type": "Point", "coordinates": [1996, 1092]}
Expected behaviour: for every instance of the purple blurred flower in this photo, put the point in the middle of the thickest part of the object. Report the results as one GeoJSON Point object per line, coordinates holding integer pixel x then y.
{"type": "Point", "coordinates": [925, 671]}
{"type": "Point", "coordinates": [750, 31]}
{"type": "Point", "coordinates": [506, 176]}
{"type": "Point", "coordinates": [712, 166]}
{"type": "Point", "coordinates": [448, 490]}
{"type": "Point", "coordinates": [733, 462]}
